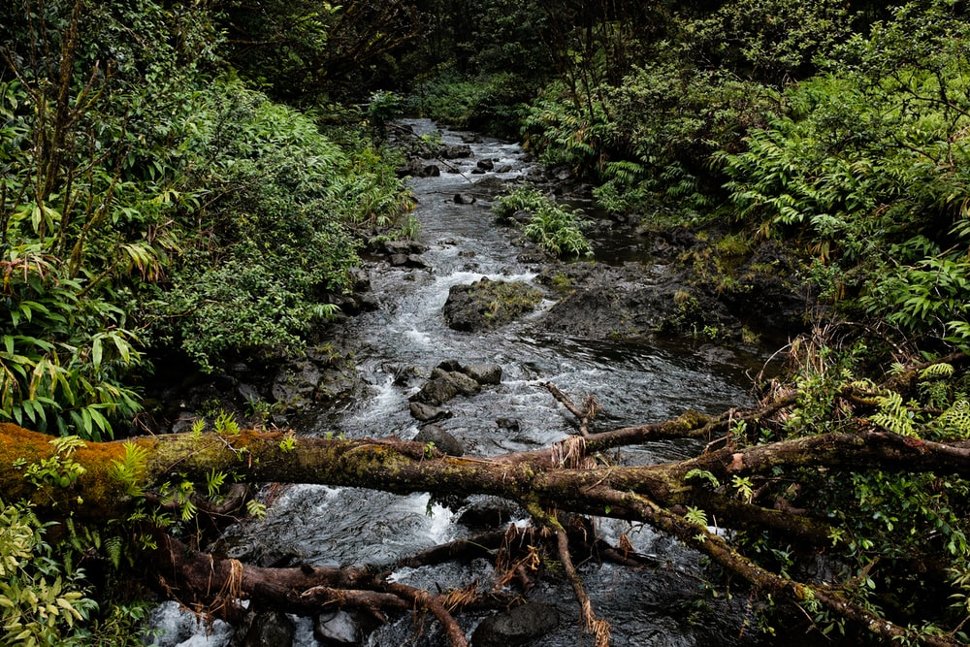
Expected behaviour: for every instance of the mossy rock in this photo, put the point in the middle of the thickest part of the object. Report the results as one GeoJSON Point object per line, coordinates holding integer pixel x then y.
{"type": "Point", "coordinates": [486, 304]}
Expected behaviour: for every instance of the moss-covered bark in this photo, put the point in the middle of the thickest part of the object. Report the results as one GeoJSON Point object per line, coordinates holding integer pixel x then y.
{"type": "Point", "coordinates": [561, 478]}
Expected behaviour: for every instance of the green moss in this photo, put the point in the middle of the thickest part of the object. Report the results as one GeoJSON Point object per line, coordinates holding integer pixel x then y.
{"type": "Point", "coordinates": [561, 282]}
{"type": "Point", "coordinates": [734, 245]}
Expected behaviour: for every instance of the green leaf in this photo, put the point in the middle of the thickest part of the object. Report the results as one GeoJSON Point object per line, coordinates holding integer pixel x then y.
{"type": "Point", "coordinates": [96, 351]}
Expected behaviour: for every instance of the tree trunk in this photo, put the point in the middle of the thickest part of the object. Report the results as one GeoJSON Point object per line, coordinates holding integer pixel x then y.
{"type": "Point", "coordinates": [105, 480]}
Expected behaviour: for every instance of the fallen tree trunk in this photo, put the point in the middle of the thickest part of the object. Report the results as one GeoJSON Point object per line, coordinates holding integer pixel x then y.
{"type": "Point", "coordinates": [404, 467]}
{"type": "Point", "coordinates": [106, 480]}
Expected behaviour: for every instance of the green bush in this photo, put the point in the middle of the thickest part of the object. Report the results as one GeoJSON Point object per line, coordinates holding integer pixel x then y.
{"type": "Point", "coordinates": [274, 240]}
{"type": "Point", "coordinates": [553, 228]}
{"type": "Point", "coordinates": [489, 102]}
{"type": "Point", "coordinates": [869, 168]}
{"type": "Point", "coordinates": [524, 198]}
{"type": "Point", "coordinates": [152, 198]}
{"type": "Point", "coordinates": [44, 599]}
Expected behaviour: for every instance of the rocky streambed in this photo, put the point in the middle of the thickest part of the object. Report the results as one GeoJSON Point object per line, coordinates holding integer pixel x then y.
{"type": "Point", "coordinates": [450, 346]}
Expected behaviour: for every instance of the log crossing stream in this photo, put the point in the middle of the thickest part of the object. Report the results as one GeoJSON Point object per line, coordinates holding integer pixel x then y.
{"type": "Point", "coordinates": [401, 342]}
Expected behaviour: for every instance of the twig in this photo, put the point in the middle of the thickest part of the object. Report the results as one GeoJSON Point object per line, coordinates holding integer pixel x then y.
{"type": "Point", "coordinates": [433, 604]}
{"type": "Point", "coordinates": [590, 407]}
{"type": "Point", "coordinates": [599, 628]}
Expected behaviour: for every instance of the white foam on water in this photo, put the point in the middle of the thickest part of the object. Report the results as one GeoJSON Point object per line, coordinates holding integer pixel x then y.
{"type": "Point", "coordinates": [172, 625]}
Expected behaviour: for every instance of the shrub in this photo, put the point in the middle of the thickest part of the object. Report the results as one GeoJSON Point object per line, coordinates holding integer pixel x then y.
{"type": "Point", "coordinates": [274, 240]}
{"type": "Point", "coordinates": [553, 228]}
{"type": "Point", "coordinates": [44, 598]}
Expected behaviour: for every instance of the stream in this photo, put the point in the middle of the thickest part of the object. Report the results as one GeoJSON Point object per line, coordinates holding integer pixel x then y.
{"type": "Point", "coordinates": [665, 605]}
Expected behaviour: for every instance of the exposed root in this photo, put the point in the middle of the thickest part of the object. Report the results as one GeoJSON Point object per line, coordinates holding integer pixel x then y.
{"type": "Point", "coordinates": [372, 601]}
{"type": "Point", "coordinates": [434, 604]}
{"type": "Point", "coordinates": [227, 599]}
{"type": "Point", "coordinates": [517, 558]}
{"type": "Point", "coordinates": [600, 629]}
{"type": "Point", "coordinates": [570, 453]}
{"type": "Point", "coordinates": [483, 545]}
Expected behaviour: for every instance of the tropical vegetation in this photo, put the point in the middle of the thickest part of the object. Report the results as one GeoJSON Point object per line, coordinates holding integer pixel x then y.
{"type": "Point", "coordinates": [193, 183]}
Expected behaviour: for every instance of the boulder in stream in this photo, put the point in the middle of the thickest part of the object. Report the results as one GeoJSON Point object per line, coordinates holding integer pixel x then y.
{"type": "Point", "coordinates": [483, 373]}
{"type": "Point", "coordinates": [405, 247]}
{"type": "Point", "coordinates": [517, 626]}
{"type": "Point", "coordinates": [508, 423]}
{"type": "Point", "coordinates": [337, 628]}
{"type": "Point", "coordinates": [445, 385]}
{"type": "Point", "coordinates": [454, 151]}
{"type": "Point", "coordinates": [486, 304]}
{"type": "Point", "coordinates": [443, 441]}
{"type": "Point", "coordinates": [428, 413]}
{"type": "Point", "coordinates": [409, 260]}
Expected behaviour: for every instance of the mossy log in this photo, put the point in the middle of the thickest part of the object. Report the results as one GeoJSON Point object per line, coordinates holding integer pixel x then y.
{"type": "Point", "coordinates": [548, 483]}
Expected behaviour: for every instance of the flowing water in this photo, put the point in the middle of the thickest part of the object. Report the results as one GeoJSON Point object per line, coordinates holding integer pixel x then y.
{"type": "Point", "coordinates": [665, 605]}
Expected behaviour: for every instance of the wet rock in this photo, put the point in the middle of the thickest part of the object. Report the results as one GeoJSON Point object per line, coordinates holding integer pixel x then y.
{"type": "Point", "coordinates": [295, 384]}
{"type": "Point", "coordinates": [485, 304]}
{"type": "Point", "coordinates": [477, 171]}
{"type": "Point", "coordinates": [629, 303]}
{"type": "Point", "coordinates": [455, 151]}
{"type": "Point", "coordinates": [486, 165]}
{"type": "Point", "coordinates": [338, 385]}
{"type": "Point", "coordinates": [409, 260]}
{"type": "Point", "coordinates": [464, 199]}
{"type": "Point", "coordinates": [443, 441]}
{"type": "Point", "coordinates": [450, 365]}
{"type": "Point", "coordinates": [445, 385]}
{"type": "Point", "coordinates": [486, 513]}
{"type": "Point", "coordinates": [337, 628]}
{"type": "Point", "coordinates": [492, 183]}
{"type": "Point", "coordinates": [359, 279]}
{"type": "Point", "coordinates": [428, 413]}
{"type": "Point", "coordinates": [516, 627]}
{"type": "Point", "coordinates": [405, 247]}
{"type": "Point", "coordinates": [505, 168]}
{"type": "Point", "coordinates": [272, 629]}
{"type": "Point", "coordinates": [522, 216]}
{"type": "Point", "coordinates": [417, 262]}
{"type": "Point", "coordinates": [484, 373]}
{"type": "Point", "coordinates": [508, 423]}
{"type": "Point", "coordinates": [417, 168]}
{"type": "Point", "coordinates": [471, 138]}
{"type": "Point", "coordinates": [404, 374]}
{"type": "Point", "coordinates": [464, 384]}
{"type": "Point", "coordinates": [368, 302]}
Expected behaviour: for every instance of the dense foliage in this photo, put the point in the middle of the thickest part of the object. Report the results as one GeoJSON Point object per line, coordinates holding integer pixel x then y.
{"type": "Point", "coordinates": [157, 199]}
{"type": "Point", "coordinates": [152, 205]}
{"type": "Point", "coordinates": [150, 197]}
{"type": "Point", "coordinates": [838, 129]}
